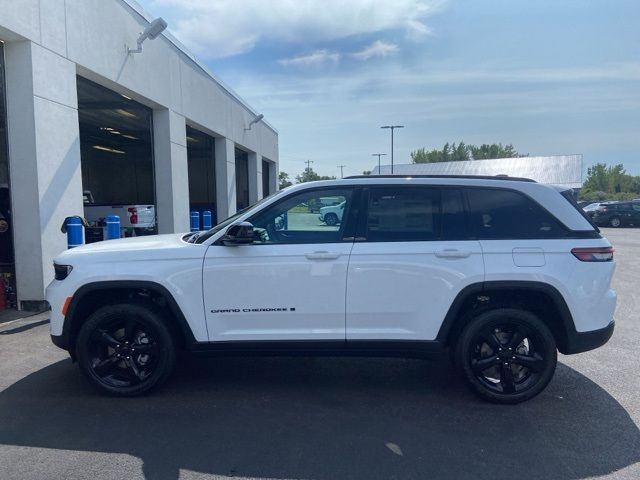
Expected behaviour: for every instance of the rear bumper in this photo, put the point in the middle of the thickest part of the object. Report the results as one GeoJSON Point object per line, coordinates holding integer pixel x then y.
{"type": "Point", "coordinates": [578, 342]}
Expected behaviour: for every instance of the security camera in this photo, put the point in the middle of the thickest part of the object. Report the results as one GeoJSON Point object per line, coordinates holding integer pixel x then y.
{"type": "Point", "coordinates": [153, 30]}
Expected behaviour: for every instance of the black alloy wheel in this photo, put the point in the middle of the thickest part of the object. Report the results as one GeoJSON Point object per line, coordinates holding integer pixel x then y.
{"type": "Point", "coordinates": [125, 349]}
{"type": "Point", "coordinates": [331, 219]}
{"type": "Point", "coordinates": [507, 355]}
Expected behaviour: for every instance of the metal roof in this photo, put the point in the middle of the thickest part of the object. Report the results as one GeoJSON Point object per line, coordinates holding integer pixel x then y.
{"type": "Point", "coordinates": [565, 170]}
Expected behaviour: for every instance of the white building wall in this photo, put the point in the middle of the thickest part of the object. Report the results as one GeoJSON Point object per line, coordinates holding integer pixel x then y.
{"type": "Point", "coordinates": [48, 42]}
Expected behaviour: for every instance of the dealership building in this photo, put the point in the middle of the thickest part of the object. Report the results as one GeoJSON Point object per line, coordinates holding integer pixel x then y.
{"type": "Point", "coordinates": [83, 117]}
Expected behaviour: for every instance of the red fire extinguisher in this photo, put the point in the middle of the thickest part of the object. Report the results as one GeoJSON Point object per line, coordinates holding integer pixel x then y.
{"type": "Point", "coordinates": [3, 294]}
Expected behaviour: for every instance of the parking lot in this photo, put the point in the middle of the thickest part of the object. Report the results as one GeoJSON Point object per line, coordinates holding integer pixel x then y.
{"type": "Point", "coordinates": [325, 418]}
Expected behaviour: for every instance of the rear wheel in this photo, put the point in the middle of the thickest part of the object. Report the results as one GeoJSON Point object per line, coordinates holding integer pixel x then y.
{"type": "Point", "coordinates": [125, 349]}
{"type": "Point", "coordinates": [331, 219]}
{"type": "Point", "coordinates": [615, 222]}
{"type": "Point", "coordinates": [506, 355]}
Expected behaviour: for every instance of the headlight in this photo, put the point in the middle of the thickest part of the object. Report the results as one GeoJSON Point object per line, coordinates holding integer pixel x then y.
{"type": "Point", "coordinates": [62, 271]}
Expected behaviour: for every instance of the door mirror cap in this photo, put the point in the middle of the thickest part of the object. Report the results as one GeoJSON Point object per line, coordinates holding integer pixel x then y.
{"type": "Point", "coordinates": [239, 234]}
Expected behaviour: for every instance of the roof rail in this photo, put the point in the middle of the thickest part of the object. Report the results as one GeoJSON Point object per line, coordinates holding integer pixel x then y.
{"type": "Point", "coordinates": [481, 177]}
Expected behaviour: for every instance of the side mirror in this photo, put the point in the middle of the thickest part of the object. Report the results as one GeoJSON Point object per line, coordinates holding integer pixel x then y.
{"type": "Point", "coordinates": [239, 234]}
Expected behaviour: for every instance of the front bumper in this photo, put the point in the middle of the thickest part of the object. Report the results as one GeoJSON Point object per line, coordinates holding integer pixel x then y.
{"type": "Point", "coordinates": [60, 341]}
{"type": "Point", "coordinates": [578, 342]}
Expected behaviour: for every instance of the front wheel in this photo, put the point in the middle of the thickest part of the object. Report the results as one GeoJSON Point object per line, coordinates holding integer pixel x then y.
{"type": "Point", "coordinates": [125, 349]}
{"type": "Point", "coordinates": [506, 355]}
{"type": "Point", "coordinates": [615, 222]}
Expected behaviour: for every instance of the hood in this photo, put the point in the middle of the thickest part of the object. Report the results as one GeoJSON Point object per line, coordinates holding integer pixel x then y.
{"type": "Point", "coordinates": [133, 248]}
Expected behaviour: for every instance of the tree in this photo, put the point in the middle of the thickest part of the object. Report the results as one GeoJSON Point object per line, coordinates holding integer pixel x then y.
{"type": "Point", "coordinates": [449, 153]}
{"type": "Point", "coordinates": [283, 180]}
{"type": "Point", "coordinates": [609, 183]}
{"type": "Point", "coordinates": [461, 152]}
{"type": "Point", "coordinates": [308, 175]}
{"type": "Point", "coordinates": [495, 150]}
{"type": "Point", "coordinates": [367, 172]}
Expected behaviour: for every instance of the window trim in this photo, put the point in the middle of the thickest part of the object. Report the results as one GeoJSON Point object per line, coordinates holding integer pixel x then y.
{"type": "Point", "coordinates": [348, 225]}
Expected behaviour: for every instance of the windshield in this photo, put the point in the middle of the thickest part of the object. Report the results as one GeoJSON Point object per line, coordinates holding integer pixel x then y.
{"type": "Point", "coordinates": [200, 237]}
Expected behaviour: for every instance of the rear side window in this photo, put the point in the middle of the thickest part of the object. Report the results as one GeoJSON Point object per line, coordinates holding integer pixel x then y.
{"type": "Point", "coordinates": [403, 215]}
{"type": "Point", "coordinates": [503, 214]}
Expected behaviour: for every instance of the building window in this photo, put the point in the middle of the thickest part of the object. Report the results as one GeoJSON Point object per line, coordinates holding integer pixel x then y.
{"type": "Point", "coordinates": [242, 179]}
{"type": "Point", "coordinates": [201, 159]}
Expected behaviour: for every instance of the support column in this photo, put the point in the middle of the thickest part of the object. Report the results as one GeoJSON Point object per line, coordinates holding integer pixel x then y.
{"type": "Point", "coordinates": [44, 161]}
{"type": "Point", "coordinates": [225, 178]}
{"type": "Point", "coordinates": [255, 177]}
{"type": "Point", "coordinates": [273, 177]}
{"type": "Point", "coordinates": [171, 171]}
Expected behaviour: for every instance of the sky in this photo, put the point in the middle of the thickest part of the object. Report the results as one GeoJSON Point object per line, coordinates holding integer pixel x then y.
{"type": "Point", "coordinates": [548, 76]}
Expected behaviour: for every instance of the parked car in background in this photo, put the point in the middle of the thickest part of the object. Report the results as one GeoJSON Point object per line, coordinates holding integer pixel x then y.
{"type": "Point", "coordinates": [617, 214]}
{"type": "Point", "coordinates": [591, 208]}
{"type": "Point", "coordinates": [140, 218]}
{"type": "Point", "coordinates": [332, 215]}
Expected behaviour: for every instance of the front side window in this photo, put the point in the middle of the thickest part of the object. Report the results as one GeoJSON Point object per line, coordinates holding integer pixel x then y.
{"type": "Point", "coordinates": [503, 214]}
{"type": "Point", "coordinates": [403, 215]}
{"type": "Point", "coordinates": [314, 216]}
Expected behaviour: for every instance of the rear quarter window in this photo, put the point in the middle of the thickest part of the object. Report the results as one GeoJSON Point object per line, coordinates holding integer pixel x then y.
{"type": "Point", "coordinates": [503, 214]}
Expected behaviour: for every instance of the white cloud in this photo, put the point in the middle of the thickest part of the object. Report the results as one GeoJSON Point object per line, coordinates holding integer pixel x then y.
{"type": "Point", "coordinates": [223, 28]}
{"type": "Point", "coordinates": [376, 49]}
{"type": "Point", "coordinates": [318, 58]}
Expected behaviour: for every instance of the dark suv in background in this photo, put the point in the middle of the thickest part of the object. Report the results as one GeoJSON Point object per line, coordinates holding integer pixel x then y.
{"type": "Point", "coordinates": [617, 214]}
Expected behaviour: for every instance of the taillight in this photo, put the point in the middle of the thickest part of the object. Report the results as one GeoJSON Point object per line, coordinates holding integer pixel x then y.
{"type": "Point", "coordinates": [593, 254]}
{"type": "Point", "coordinates": [133, 215]}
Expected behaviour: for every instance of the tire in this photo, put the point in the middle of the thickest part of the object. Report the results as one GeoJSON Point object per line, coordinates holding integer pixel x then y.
{"type": "Point", "coordinates": [125, 349]}
{"type": "Point", "coordinates": [509, 376]}
{"type": "Point", "coordinates": [331, 219]}
{"type": "Point", "coordinates": [615, 222]}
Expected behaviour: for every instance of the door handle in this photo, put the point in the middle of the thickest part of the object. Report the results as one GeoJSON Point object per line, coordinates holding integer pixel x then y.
{"type": "Point", "coordinates": [322, 255]}
{"type": "Point", "coordinates": [452, 253]}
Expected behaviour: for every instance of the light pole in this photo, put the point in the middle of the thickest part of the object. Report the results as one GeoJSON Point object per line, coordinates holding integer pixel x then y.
{"type": "Point", "coordinates": [341, 170]}
{"type": "Point", "coordinates": [392, 128]}
{"type": "Point", "coordinates": [378, 155]}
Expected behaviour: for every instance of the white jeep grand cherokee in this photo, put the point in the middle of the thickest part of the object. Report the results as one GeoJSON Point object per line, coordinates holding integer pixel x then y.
{"type": "Point", "coordinates": [501, 271]}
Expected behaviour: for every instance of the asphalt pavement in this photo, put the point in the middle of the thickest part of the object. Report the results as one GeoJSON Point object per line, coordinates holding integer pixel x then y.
{"type": "Point", "coordinates": [324, 418]}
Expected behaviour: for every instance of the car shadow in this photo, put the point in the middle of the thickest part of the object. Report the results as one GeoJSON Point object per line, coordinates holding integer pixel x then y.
{"type": "Point", "coordinates": [326, 418]}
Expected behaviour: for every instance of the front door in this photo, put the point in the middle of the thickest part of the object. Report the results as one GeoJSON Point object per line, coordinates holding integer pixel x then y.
{"type": "Point", "coordinates": [412, 258]}
{"type": "Point", "coordinates": [290, 283]}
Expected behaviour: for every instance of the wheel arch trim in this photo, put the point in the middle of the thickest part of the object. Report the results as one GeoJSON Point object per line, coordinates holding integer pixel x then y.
{"type": "Point", "coordinates": [155, 287]}
{"type": "Point", "coordinates": [476, 289]}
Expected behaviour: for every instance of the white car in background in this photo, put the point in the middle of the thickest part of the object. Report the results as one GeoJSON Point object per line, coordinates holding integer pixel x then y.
{"type": "Point", "coordinates": [332, 215]}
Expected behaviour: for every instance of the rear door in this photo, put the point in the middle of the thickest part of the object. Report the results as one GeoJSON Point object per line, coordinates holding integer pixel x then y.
{"type": "Point", "coordinates": [517, 235]}
{"type": "Point", "coordinates": [411, 258]}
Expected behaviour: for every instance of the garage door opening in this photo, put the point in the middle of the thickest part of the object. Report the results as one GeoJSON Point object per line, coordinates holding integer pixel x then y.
{"type": "Point", "coordinates": [117, 159]}
{"type": "Point", "coordinates": [201, 158]}
{"type": "Point", "coordinates": [7, 265]}
{"type": "Point", "coordinates": [266, 172]}
{"type": "Point", "coordinates": [242, 179]}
